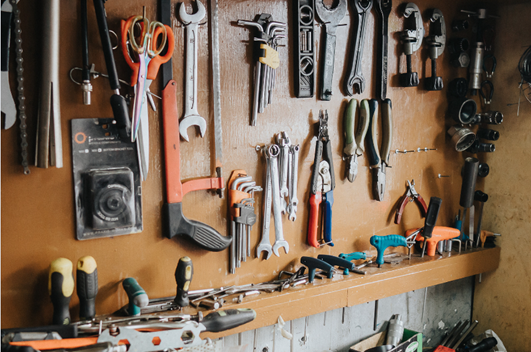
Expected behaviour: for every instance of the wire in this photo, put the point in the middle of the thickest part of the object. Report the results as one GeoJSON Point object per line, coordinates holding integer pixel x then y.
{"type": "Point", "coordinates": [524, 66]}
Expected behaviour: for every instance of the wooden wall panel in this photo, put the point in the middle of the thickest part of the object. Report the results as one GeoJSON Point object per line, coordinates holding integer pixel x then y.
{"type": "Point", "coordinates": [37, 210]}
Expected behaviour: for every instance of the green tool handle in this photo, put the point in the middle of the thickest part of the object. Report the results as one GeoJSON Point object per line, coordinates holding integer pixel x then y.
{"type": "Point", "coordinates": [387, 127]}
{"type": "Point", "coordinates": [183, 277]}
{"type": "Point", "coordinates": [137, 296]}
{"type": "Point", "coordinates": [353, 256]}
{"type": "Point", "coordinates": [348, 127]}
{"type": "Point", "coordinates": [228, 319]}
{"type": "Point", "coordinates": [363, 126]}
{"type": "Point", "coordinates": [61, 288]}
{"type": "Point", "coordinates": [87, 287]}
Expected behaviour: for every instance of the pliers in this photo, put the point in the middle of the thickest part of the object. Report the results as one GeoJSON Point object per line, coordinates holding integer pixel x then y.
{"type": "Point", "coordinates": [410, 196]}
{"type": "Point", "coordinates": [379, 161]}
{"type": "Point", "coordinates": [323, 184]}
{"type": "Point", "coordinates": [354, 142]}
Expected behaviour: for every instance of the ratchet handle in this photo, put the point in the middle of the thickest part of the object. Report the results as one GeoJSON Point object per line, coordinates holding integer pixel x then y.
{"type": "Point", "coordinates": [470, 173]}
{"type": "Point", "coordinates": [183, 277]}
{"type": "Point", "coordinates": [61, 288]}
{"type": "Point", "coordinates": [381, 243]}
{"type": "Point", "coordinates": [87, 287]}
{"type": "Point", "coordinates": [373, 152]}
{"type": "Point", "coordinates": [329, 201]}
{"type": "Point", "coordinates": [228, 319]}
{"type": "Point", "coordinates": [315, 202]}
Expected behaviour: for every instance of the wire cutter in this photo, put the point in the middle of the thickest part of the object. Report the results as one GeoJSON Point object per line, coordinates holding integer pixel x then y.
{"type": "Point", "coordinates": [410, 196]}
{"type": "Point", "coordinates": [354, 140]}
{"type": "Point", "coordinates": [323, 183]}
{"type": "Point", "coordinates": [379, 161]}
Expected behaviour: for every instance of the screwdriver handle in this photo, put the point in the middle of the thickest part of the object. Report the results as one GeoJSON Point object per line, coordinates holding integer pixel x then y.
{"type": "Point", "coordinates": [353, 256]}
{"type": "Point", "coordinates": [382, 242]}
{"type": "Point", "coordinates": [137, 296]}
{"type": "Point", "coordinates": [348, 127]}
{"type": "Point", "coordinates": [61, 288]}
{"type": "Point", "coordinates": [327, 233]}
{"type": "Point", "coordinates": [87, 287]}
{"type": "Point", "coordinates": [315, 202]}
{"type": "Point", "coordinates": [183, 276]}
{"type": "Point", "coordinates": [431, 216]}
{"type": "Point", "coordinates": [313, 264]}
{"type": "Point", "coordinates": [228, 319]}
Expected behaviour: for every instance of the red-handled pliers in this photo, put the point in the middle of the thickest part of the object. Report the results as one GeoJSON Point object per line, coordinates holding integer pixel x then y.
{"type": "Point", "coordinates": [411, 195]}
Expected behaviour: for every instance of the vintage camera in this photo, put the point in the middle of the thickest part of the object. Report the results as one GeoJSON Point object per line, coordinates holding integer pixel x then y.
{"type": "Point", "coordinates": [112, 198]}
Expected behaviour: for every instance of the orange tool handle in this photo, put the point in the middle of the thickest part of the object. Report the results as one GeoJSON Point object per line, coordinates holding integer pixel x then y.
{"type": "Point", "coordinates": [42, 345]}
{"type": "Point", "coordinates": [154, 64]}
{"type": "Point", "coordinates": [134, 65]}
{"type": "Point", "coordinates": [440, 233]}
{"type": "Point", "coordinates": [483, 236]}
{"type": "Point", "coordinates": [315, 202]}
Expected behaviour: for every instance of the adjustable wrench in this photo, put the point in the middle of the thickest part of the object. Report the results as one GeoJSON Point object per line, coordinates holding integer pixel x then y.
{"type": "Point", "coordinates": [191, 115]}
{"type": "Point", "coordinates": [273, 152]}
{"type": "Point", "coordinates": [294, 175]}
{"type": "Point", "coordinates": [384, 9]}
{"type": "Point", "coordinates": [265, 244]}
{"type": "Point", "coordinates": [355, 78]}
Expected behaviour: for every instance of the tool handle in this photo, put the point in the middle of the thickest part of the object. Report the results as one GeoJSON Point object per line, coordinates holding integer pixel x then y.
{"type": "Point", "coordinates": [470, 173]}
{"type": "Point", "coordinates": [61, 288]}
{"type": "Point", "coordinates": [372, 139]}
{"type": "Point", "coordinates": [440, 233]}
{"type": "Point", "coordinates": [363, 126]}
{"type": "Point", "coordinates": [137, 296]}
{"type": "Point", "coordinates": [348, 127]}
{"type": "Point", "coordinates": [328, 65]}
{"type": "Point", "coordinates": [183, 277]}
{"type": "Point", "coordinates": [228, 319]}
{"type": "Point", "coordinates": [401, 208]}
{"type": "Point", "coordinates": [431, 216]}
{"type": "Point", "coordinates": [336, 261]}
{"type": "Point", "coordinates": [6, 37]}
{"type": "Point", "coordinates": [315, 202]}
{"type": "Point", "coordinates": [484, 345]}
{"type": "Point", "coordinates": [106, 44]}
{"type": "Point", "coordinates": [387, 129]}
{"type": "Point", "coordinates": [422, 203]}
{"type": "Point", "coordinates": [120, 112]}
{"type": "Point", "coordinates": [327, 233]}
{"type": "Point", "coordinates": [154, 64]}
{"type": "Point", "coordinates": [84, 42]}
{"type": "Point", "coordinates": [125, 24]}
{"type": "Point", "coordinates": [315, 170]}
{"type": "Point", "coordinates": [328, 156]}
{"type": "Point", "coordinates": [353, 256]}
{"type": "Point", "coordinates": [87, 287]}
{"type": "Point", "coordinates": [313, 264]}
{"type": "Point", "coordinates": [382, 242]}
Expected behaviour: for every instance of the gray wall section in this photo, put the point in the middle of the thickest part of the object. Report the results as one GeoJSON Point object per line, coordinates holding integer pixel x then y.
{"type": "Point", "coordinates": [339, 329]}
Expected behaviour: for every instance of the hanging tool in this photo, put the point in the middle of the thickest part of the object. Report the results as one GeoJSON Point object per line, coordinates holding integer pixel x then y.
{"type": "Point", "coordinates": [304, 58]}
{"type": "Point", "coordinates": [191, 112]}
{"type": "Point", "coordinates": [344, 264]}
{"type": "Point", "coordinates": [381, 243]}
{"type": "Point", "coordinates": [313, 264]}
{"type": "Point", "coordinates": [49, 145]}
{"type": "Point", "coordinates": [183, 277]}
{"type": "Point", "coordinates": [8, 102]}
{"type": "Point", "coordinates": [86, 86]}
{"type": "Point", "coordinates": [323, 183]}
{"type": "Point", "coordinates": [61, 288]}
{"type": "Point", "coordinates": [440, 233]}
{"type": "Point", "coordinates": [137, 296]}
{"type": "Point", "coordinates": [410, 196]}
{"type": "Point", "coordinates": [175, 222]}
{"type": "Point", "coordinates": [468, 187]}
{"type": "Point", "coordinates": [265, 243]}
{"type": "Point", "coordinates": [482, 198]}
{"type": "Point", "coordinates": [331, 19]}
{"type": "Point", "coordinates": [87, 287]}
{"type": "Point", "coordinates": [383, 8]}
{"type": "Point", "coordinates": [486, 91]}
{"type": "Point", "coordinates": [354, 256]}
{"type": "Point", "coordinates": [494, 63]}
{"type": "Point", "coordinates": [355, 83]}
{"type": "Point", "coordinates": [118, 102]}
{"type": "Point", "coordinates": [293, 182]}
{"type": "Point", "coordinates": [216, 92]}
{"type": "Point", "coordinates": [355, 141]}
{"type": "Point", "coordinates": [411, 37]}
{"type": "Point", "coordinates": [431, 218]}
{"type": "Point", "coordinates": [475, 71]}
{"type": "Point", "coordinates": [436, 42]}
{"type": "Point", "coordinates": [379, 160]}
{"type": "Point", "coordinates": [272, 153]}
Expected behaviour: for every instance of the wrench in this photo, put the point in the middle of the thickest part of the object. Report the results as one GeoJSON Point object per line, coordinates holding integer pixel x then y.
{"type": "Point", "coordinates": [191, 115]}
{"type": "Point", "coordinates": [294, 175]}
{"type": "Point", "coordinates": [355, 78]}
{"type": "Point", "coordinates": [284, 143]}
{"type": "Point", "coordinates": [274, 151]}
{"type": "Point", "coordinates": [331, 19]}
{"type": "Point", "coordinates": [265, 244]}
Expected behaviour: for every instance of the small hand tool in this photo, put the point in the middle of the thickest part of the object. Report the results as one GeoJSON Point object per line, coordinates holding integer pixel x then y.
{"type": "Point", "coordinates": [304, 55]}
{"type": "Point", "coordinates": [272, 153]}
{"type": "Point", "coordinates": [183, 277]}
{"type": "Point", "coordinates": [383, 8]}
{"type": "Point", "coordinates": [354, 256]}
{"type": "Point", "coordinates": [379, 160]}
{"type": "Point", "coordinates": [331, 19]}
{"type": "Point", "coordinates": [381, 243]}
{"type": "Point", "coordinates": [436, 42]}
{"type": "Point", "coordinates": [314, 264]}
{"type": "Point", "coordinates": [344, 264]}
{"type": "Point", "coordinates": [137, 296]}
{"type": "Point", "coordinates": [265, 243]}
{"type": "Point", "coordinates": [492, 58]}
{"type": "Point", "coordinates": [322, 183]}
{"type": "Point", "coordinates": [484, 234]}
{"type": "Point", "coordinates": [9, 108]}
{"type": "Point", "coordinates": [440, 233]}
{"type": "Point", "coordinates": [431, 218]}
{"type": "Point", "coordinates": [355, 138]}
{"type": "Point", "coordinates": [468, 187]}
{"type": "Point", "coordinates": [486, 91]}
{"type": "Point", "coordinates": [191, 112]}
{"type": "Point", "coordinates": [395, 330]}
{"type": "Point", "coordinates": [86, 86]}
{"type": "Point", "coordinates": [293, 185]}
{"type": "Point", "coordinates": [87, 287]}
{"type": "Point", "coordinates": [355, 83]}
{"type": "Point", "coordinates": [411, 37]}
{"type": "Point", "coordinates": [475, 70]}
{"type": "Point", "coordinates": [61, 288]}
{"type": "Point", "coordinates": [482, 198]}
{"type": "Point", "coordinates": [410, 196]}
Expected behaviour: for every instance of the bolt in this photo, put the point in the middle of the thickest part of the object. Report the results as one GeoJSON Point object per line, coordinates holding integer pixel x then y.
{"type": "Point", "coordinates": [439, 175]}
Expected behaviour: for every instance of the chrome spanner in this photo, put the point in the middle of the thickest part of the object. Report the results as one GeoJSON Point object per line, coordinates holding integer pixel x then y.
{"type": "Point", "coordinates": [294, 175]}
{"type": "Point", "coordinates": [274, 151]}
{"type": "Point", "coordinates": [284, 142]}
{"type": "Point", "coordinates": [265, 244]}
{"type": "Point", "coordinates": [191, 114]}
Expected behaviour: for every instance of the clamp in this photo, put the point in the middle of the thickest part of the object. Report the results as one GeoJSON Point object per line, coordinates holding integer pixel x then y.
{"type": "Point", "coordinates": [323, 183]}
{"type": "Point", "coordinates": [410, 196]}
{"type": "Point", "coordinates": [436, 42]}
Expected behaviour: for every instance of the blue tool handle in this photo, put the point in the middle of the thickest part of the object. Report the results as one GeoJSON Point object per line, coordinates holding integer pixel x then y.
{"type": "Point", "coordinates": [137, 296]}
{"type": "Point", "coordinates": [336, 261]}
{"type": "Point", "coordinates": [329, 201]}
{"type": "Point", "coordinates": [353, 256]}
{"type": "Point", "coordinates": [313, 264]}
{"type": "Point", "coordinates": [382, 242]}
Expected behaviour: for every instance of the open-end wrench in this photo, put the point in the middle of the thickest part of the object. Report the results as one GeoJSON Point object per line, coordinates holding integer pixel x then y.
{"type": "Point", "coordinates": [191, 115]}
{"type": "Point", "coordinates": [274, 151]}
{"type": "Point", "coordinates": [294, 175]}
{"type": "Point", "coordinates": [265, 244]}
{"type": "Point", "coordinates": [331, 19]}
{"type": "Point", "coordinates": [383, 8]}
{"type": "Point", "coordinates": [355, 76]}
{"type": "Point", "coordinates": [284, 142]}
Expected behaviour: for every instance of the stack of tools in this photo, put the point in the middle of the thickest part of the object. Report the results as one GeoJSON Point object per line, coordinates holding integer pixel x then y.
{"type": "Point", "coordinates": [265, 38]}
{"type": "Point", "coordinates": [280, 191]}
{"type": "Point", "coordinates": [460, 338]}
{"type": "Point", "coordinates": [241, 200]}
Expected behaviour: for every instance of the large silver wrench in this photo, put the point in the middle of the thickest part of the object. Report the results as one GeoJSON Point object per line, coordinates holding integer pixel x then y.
{"type": "Point", "coordinates": [274, 151]}
{"type": "Point", "coordinates": [265, 244]}
{"type": "Point", "coordinates": [191, 115]}
{"type": "Point", "coordinates": [294, 176]}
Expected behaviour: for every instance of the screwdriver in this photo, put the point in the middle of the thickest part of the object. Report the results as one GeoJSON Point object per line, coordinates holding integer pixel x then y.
{"type": "Point", "coordinates": [61, 288]}
{"type": "Point", "coordinates": [137, 296]}
{"type": "Point", "coordinates": [87, 287]}
{"type": "Point", "coordinates": [183, 277]}
{"type": "Point", "coordinates": [431, 218]}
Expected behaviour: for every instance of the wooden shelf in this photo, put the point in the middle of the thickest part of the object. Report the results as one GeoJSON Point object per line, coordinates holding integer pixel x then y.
{"type": "Point", "coordinates": [347, 291]}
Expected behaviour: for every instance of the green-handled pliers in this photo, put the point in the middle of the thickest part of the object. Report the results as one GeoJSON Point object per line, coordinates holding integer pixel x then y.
{"type": "Point", "coordinates": [354, 141]}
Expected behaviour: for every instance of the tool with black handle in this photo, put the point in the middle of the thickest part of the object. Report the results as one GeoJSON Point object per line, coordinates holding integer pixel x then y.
{"type": "Point", "coordinates": [431, 218]}
{"type": "Point", "coordinates": [313, 264]}
{"type": "Point", "coordinates": [383, 7]}
{"type": "Point", "coordinates": [468, 187]}
{"type": "Point", "coordinates": [61, 288]}
{"type": "Point", "coordinates": [482, 198]}
{"type": "Point", "coordinates": [344, 264]}
{"type": "Point", "coordinates": [87, 287]}
{"type": "Point", "coordinates": [183, 276]}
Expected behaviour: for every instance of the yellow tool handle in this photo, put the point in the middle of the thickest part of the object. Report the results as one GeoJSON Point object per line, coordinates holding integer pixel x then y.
{"type": "Point", "coordinates": [270, 57]}
{"type": "Point", "coordinates": [61, 288]}
{"type": "Point", "coordinates": [87, 287]}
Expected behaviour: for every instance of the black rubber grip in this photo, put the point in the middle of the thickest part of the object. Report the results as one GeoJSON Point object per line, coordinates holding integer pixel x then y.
{"type": "Point", "coordinates": [183, 277]}
{"type": "Point", "coordinates": [481, 196]}
{"type": "Point", "coordinates": [106, 44]}
{"type": "Point", "coordinates": [61, 312]}
{"type": "Point", "coordinates": [431, 216]}
{"type": "Point", "coordinates": [228, 319]}
{"type": "Point", "coordinates": [470, 174]}
{"type": "Point", "coordinates": [373, 150]}
{"type": "Point", "coordinates": [336, 261]}
{"type": "Point", "coordinates": [84, 41]}
{"type": "Point", "coordinates": [87, 287]}
{"type": "Point", "coordinates": [165, 18]}
{"type": "Point", "coordinates": [201, 234]}
{"type": "Point", "coordinates": [120, 111]}
{"type": "Point", "coordinates": [6, 31]}
{"type": "Point", "coordinates": [484, 345]}
{"type": "Point", "coordinates": [65, 331]}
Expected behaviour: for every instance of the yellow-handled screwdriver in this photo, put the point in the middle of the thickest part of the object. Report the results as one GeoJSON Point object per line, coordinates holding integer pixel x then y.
{"type": "Point", "coordinates": [183, 277]}
{"type": "Point", "coordinates": [87, 287]}
{"type": "Point", "coordinates": [61, 288]}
